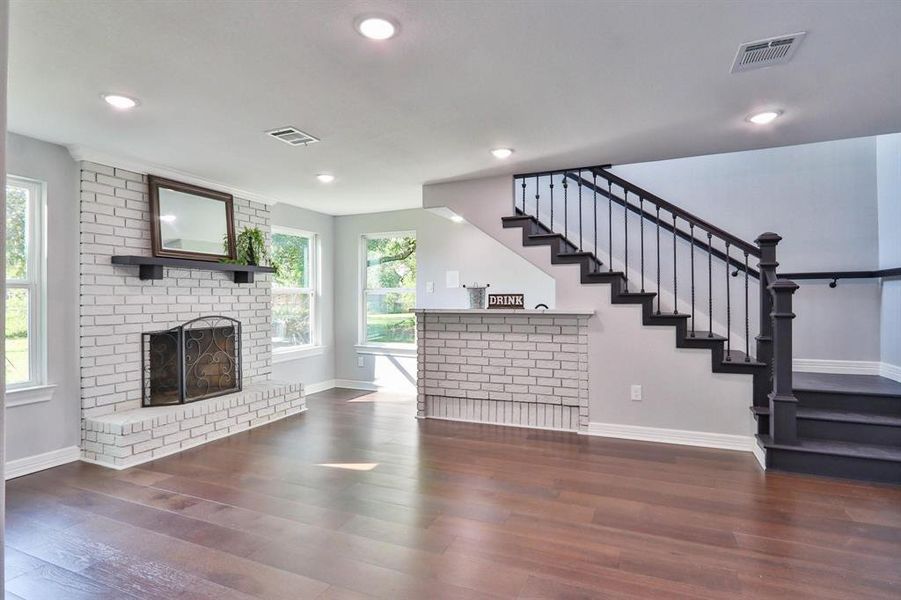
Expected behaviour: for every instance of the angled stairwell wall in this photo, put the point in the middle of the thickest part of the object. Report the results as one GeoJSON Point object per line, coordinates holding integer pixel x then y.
{"type": "Point", "coordinates": [683, 401]}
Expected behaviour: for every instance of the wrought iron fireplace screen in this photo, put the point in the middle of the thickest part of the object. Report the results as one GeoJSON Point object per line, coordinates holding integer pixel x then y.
{"type": "Point", "coordinates": [198, 359]}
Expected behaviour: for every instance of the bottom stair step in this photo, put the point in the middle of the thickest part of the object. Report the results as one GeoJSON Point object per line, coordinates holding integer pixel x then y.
{"type": "Point", "coordinates": [851, 460]}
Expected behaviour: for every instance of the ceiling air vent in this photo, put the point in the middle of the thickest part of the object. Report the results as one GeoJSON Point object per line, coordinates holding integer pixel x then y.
{"type": "Point", "coordinates": [292, 136]}
{"type": "Point", "coordinates": [767, 53]}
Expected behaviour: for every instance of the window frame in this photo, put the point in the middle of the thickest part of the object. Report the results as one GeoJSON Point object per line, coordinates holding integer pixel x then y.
{"type": "Point", "coordinates": [315, 345]}
{"type": "Point", "coordinates": [35, 281]}
{"type": "Point", "coordinates": [364, 291]}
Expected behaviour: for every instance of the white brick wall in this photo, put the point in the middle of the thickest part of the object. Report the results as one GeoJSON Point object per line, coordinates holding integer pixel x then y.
{"type": "Point", "coordinates": [527, 369]}
{"type": "Point", "coordinates": [116, 306]}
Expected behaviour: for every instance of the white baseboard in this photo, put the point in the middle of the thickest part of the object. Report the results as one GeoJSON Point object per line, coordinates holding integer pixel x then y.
{"type": "Point", "coordinates": [322, 386]}
{"type": "Point", "coordinates": [759, 454]}
{"type": "Point", "coordinates": [847, 367]}
{"type": "Point", "coordinates": [890, 371]}
{"type": "Point", "coordinates": [39, 462]}
{"type": "Point", "coordinates": [673, 436]}
{"type": "Point", "coordinates": [354, 384]}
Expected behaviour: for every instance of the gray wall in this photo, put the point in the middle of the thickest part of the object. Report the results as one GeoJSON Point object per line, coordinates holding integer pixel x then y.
{"type": "Point", "coordinates": [821, 198]}
{"type": "Point", "coordinates": [312, 370]}
{"type": "Point", "coordinates": [442, 245]}
{"type": "Point", "coordinates": [38, 428]}
{"type": "Point", "coordinates": [888, 172]}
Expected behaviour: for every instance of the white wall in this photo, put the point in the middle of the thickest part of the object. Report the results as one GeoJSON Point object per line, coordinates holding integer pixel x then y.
{"type": "Point", "coordinates": [680, 391]}
{"type": "Point", "coordinates": [318, 368]}
{"type": "Point", "coordinates": [442, 245]}
{"type": "Point", "coordinates": [888, 172]}
{"type": "Point", "coordinates": [38, 428]}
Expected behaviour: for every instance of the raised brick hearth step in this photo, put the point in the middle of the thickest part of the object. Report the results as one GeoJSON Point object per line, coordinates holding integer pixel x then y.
{"type": "Point", "coordinates": [127, 438]}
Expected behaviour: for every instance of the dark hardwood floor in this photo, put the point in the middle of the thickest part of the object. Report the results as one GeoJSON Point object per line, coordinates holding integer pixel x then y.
{"type": "Point", "coordinates": [357, 499]}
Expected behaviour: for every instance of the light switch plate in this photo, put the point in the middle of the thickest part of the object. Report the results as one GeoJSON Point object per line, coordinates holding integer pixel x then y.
{"type": "Point", "coordinates": [452, 279]}
{"type": "Point", "coordinates": [430, 287]}
{"type": "Point", "coordinates": [636, 393]}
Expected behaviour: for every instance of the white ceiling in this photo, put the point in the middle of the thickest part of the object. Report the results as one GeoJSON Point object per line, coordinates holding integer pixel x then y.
{"type": "Point", "coordinates": [565, 83]}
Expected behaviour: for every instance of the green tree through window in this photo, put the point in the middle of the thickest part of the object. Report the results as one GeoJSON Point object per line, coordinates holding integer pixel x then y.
{"type": "Point", "coordinates": [390, 289]}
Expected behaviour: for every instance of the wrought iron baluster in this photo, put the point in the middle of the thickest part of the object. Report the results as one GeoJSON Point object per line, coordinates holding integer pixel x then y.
{"type": "Point", "coordinates": [728, 310]}
{"type": "Point", "coordinates": [659, 293]}
{"type": "Point", "coordinates": [641, 228]}
{"type": "Point", "coordinates": [537, 196]}
{"type": "Point", "coordinates": [710, 285]}
{"type": "Point", "coordinates": [747, 318]}
{"type": "Point", "coordinates": [594, 178]}
{"type": "Point", "coordinates": [565, 210]}
{"type": "Point", "coordinates": [552, 202]}
{"type": "Point", "coordinates": [523, 195]}
{"type": "Point", "coordinates": [691, 228]}
{"type": "Point", "coordinates": [580, 211]}
{"type": "Point", "coordinates": [675, 271]}
{"type": "Point", "coordinates": [626, 236]}
{"type": "Point", "coordinates": [610, 225]}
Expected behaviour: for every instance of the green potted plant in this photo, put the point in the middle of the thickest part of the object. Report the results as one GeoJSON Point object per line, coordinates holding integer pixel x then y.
{"type": "Point", "coordinates": [250, 248]}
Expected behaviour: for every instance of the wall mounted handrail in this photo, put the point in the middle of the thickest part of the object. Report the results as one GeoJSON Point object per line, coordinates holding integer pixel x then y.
{"type": "Point", "coordinates": [836, 275]}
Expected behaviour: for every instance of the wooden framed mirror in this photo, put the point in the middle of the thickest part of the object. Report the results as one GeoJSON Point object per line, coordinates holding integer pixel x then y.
{"type": "Point", "coordinates": [190, 222]}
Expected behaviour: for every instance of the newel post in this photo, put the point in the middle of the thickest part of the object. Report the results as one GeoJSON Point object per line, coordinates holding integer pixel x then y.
{"type": "Point", "coordinates": [763, 382]}
{"type": "Point", "coordinates": [783, 404]}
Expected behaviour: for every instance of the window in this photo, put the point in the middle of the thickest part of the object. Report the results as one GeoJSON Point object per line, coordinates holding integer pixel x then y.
{"type": "Point", "coordinates": [24, 283]}
{"type": "Point", "coordinates": [294, 290]}
{"type": "Point", "coordinates": [389, 289]}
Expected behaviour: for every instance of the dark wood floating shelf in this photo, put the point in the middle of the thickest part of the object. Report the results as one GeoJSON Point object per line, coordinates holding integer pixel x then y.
{"type": "Point", "coordinates": [151, 267]}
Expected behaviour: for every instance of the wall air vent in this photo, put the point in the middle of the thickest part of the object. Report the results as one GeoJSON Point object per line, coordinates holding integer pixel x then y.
{"type": "Point", "coordinates": [292, 136]}
{"type": "Point", "coordinates": [767, 53]}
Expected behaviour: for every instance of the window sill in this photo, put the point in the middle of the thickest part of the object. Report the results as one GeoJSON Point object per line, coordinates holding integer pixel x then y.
{"type": "Point", "coordinates": [289, 354]}
{"type": "Point", "coordinates": [386, 350]}
{"type": "Point", "coordinates": [29, 395]}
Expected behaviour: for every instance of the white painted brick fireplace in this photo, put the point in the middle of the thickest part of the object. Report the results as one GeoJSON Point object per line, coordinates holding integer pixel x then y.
{"type": "Point", "coordinates": [117, 306]}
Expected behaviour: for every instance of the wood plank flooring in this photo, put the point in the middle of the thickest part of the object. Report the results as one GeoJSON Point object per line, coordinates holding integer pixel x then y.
{"type": "Point", "coordinates": [431, 509]}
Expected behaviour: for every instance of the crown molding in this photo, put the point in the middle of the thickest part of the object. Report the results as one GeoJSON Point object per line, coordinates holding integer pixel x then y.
{"type": "Point", "coordinates": [83, 153]}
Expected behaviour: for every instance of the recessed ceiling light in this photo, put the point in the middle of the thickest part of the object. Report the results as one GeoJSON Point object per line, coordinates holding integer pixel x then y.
{"type": "Point", "coordinates": [457, 219]}
{"type": "Point", "coordinates": [325, 178]}
{"type": "Point", "coordinates": [376, 28]}
{"type": "Point", "coordinates": [502, 152]}
{"type": "Point", "coordinates": [120, 102]}
{"type": "Point", "coordinates": [167, 218]}
{"type": "Point", "coordinates": [767, 116]}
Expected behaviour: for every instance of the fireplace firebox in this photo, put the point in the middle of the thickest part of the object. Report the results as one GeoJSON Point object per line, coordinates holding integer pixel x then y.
{"type": "Point", "coordinates": [198, 359]}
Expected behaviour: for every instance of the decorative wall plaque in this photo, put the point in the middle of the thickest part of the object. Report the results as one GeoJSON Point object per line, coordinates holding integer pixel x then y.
{"type": "Point", "coordinates": [506, 301]}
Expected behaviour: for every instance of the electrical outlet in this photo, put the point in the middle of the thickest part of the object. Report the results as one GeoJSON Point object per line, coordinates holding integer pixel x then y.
{"type": "Point", "coordinates": [636, 393]}
{"type": "Point", "coordinates": [360, 362]}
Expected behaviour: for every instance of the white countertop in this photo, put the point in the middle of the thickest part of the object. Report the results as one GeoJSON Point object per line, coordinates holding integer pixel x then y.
{"type": "Point", "coordinates": [501, 311]}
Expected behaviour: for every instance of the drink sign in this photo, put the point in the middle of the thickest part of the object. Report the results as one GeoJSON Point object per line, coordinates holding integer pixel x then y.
{"type": "Point", "coordinates": [506, 301]}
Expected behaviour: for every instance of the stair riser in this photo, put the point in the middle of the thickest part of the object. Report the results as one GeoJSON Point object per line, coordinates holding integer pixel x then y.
{"type": "Point", "coordinates": [886, 405]}
{"type": "Point", "coordinates": [866, 469]}
{"type": "Point", "coordinates": [865, 433]}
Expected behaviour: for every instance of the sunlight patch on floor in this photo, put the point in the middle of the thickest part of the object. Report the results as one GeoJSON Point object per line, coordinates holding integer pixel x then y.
{"type": "Point", "coordinates": [350, 466]}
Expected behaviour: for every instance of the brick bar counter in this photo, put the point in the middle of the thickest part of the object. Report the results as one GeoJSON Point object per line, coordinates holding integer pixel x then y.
{"type": "Point", "coordinates": [527, 368]}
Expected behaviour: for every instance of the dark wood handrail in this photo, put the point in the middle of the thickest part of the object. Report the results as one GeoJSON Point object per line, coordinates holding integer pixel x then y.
{"type": "Point", "coordinates": [698, 242]}
{"type": "Point", "coordinates": [836, 275]}
{"type": "Point", "coordinates": [601, 171]}
{"type": "Point", "coordinates": [748, 247]}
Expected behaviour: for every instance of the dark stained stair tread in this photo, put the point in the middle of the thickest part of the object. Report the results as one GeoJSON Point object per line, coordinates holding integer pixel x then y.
{"type": "Point", "coordinates": [702, 336]}
{"type": "Point", "coordinates": [842, 416]}
{"type": "Point", "coordinates": [859, 385]}
{"type": "Point", "coordinates": [837, 448]}
{"type": "Point", "coordinates": [737, 357]}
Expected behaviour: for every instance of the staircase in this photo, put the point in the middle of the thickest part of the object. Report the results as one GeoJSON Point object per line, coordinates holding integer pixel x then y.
{"type": "Point", "coordinates": [843, 426]}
